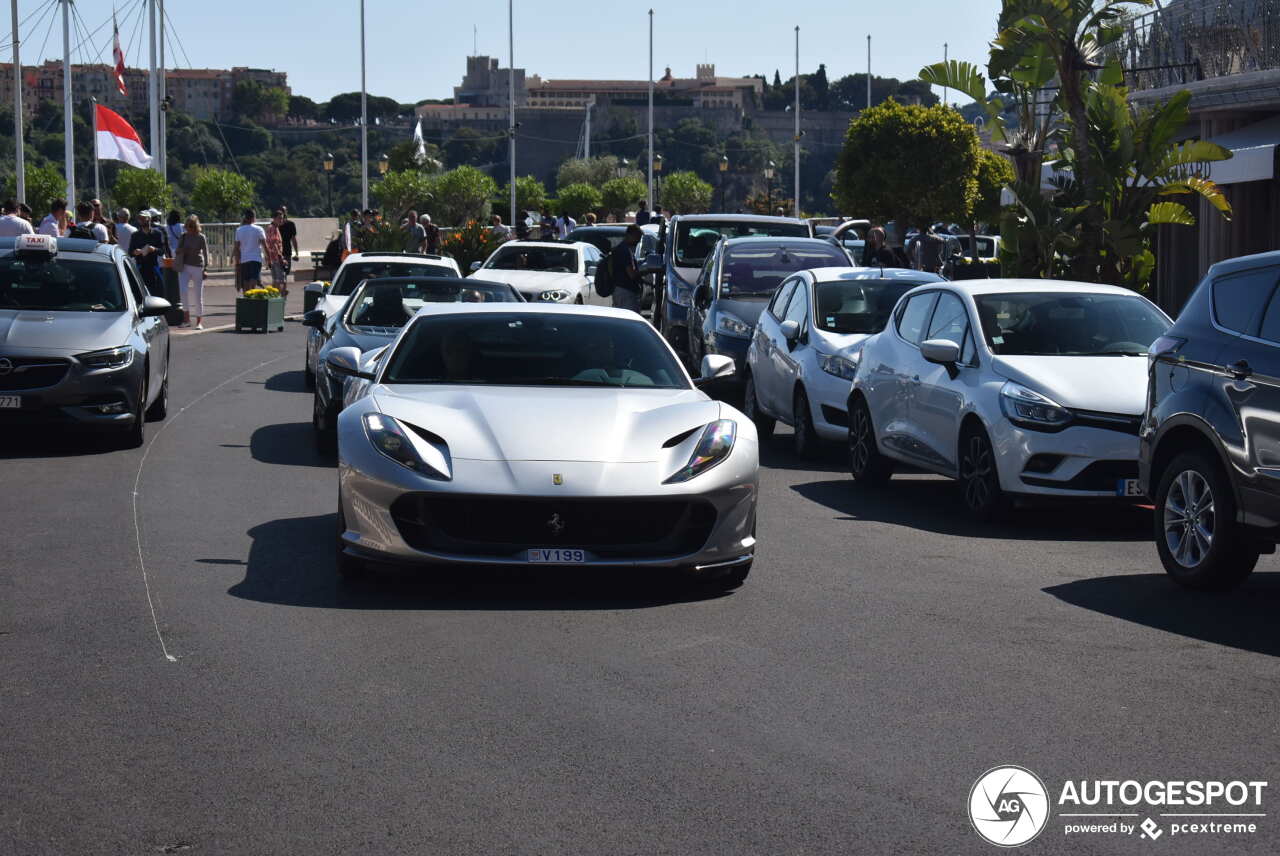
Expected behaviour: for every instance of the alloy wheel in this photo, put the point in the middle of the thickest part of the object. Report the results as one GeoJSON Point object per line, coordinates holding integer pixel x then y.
{"type": "Point", "coordinates": [859, 441]}
{"type": "Point", "coordinates": [977, 472]}
{"type": "Point", "coordinates": [1189, 519]}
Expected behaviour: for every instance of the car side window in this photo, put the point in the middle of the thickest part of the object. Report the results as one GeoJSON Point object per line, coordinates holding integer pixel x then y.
{"type": "Point", "coordinates": [135, 284]}
{"type": "Point", "coordinates": [779, 303]}
{"type": "Point", "coordinates": [950, 319]}
{"type": "Point", "coordinates": [798, 308]}
{"type": "Point", "coordinates": [1239, 298]}
{"type": "Point", "coordinates": [1271, 321]}
{"type": "Point", "coordinates": [968, 351]}
{"type": "Point", "coordinates": [914, 315]}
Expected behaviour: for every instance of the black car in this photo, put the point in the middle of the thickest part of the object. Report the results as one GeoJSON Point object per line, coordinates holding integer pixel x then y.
{"type": "Point", "coordinates": [1210, 440]}
{"type": "Point", "coordinates": [604, 238]}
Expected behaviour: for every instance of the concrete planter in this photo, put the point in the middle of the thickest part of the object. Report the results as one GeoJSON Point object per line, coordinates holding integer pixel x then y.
{"type": "Point", "coordinates": [259, 316]}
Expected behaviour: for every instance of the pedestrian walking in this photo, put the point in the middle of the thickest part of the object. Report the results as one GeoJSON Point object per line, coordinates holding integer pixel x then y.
{"type": "Point", "coordinates": [874, 252]}
{"type": "Point", "coordinates": [193, 262]}
{"type": "Point", "coordinates": [250, 251]}
{"type": "Point", "coordinates": [99, 217]}
{"type": "Point", "coordinates": [275, 252]}
{"type": "Point", "coordinates": [565, 225]}
{"type": "Point", "coordinates": [547, 225]}
{"type": "Point", "coordinates": [124, 231]}
{"type": "Point", "coordinates": [643, 215]}
{"type": "Point", "coordinates": [927, 249]}
{"type": "Point", "coordinates": [24, 211]}
{"type": "Point", "coordinates": [523, 222]}
{"type": "Point", "coordinates": [590, 218]}
{"type": "Point", "coordinates": [500, 230]}
{"type": "Point", "coordinates": [433, 234]}
{"type": "Point", "coordinates": [146, 246]}
{"type": "Point", "coordinates": [623, 271]}
{"type": "Point", "coordinates": [415, 234]}
{"type": "Point", "coordinates": [289, 237]}
{"type": "Point", "coordinates": [85, 227]}
{"type": "Point", "coordinates": [11, 224]}
{"type": "Point", "coordinates": [54, 223]}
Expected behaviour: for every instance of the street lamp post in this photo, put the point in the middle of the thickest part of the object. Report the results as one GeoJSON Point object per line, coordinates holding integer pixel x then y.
{"type": "Point", "coordinates": [724, 170]}
{"type": "Point", "coordinates": [328, 174]}
{"type": "Point", "coordinates": [657, 173]}
{"type": "Point", "coordinates": [384, 163]}
{"type": "Point", "coordinates": [768, 183]}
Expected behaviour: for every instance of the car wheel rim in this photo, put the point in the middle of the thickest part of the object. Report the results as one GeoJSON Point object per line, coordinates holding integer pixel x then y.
{"type": "Point", "coordinates": [750, 403]}
{"type": "Point", "coordinates": [976, 472]}
{"type": "Point", "coordinates": [802, 422]}
{"type": "Point", "coordinates": [1189, 519]}
{"type": "Point", "coordinates": [859, 437]}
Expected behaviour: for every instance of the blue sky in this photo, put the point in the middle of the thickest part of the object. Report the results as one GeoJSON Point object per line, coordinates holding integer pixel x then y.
{"type": "Point", "coordinates": [418, 49]}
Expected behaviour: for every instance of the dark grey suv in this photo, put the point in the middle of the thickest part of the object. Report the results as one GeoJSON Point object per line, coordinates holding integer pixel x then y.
{"type": "Point", "coordinates": [1210, 440]}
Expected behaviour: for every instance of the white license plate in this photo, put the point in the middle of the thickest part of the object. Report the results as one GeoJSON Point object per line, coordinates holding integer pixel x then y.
{"type": "Point", "coordinates": [1129, 487]}
{"type": "Point", "coordinates": [10, 402]}
{"type": "Point", "coordinates": [558, 557]}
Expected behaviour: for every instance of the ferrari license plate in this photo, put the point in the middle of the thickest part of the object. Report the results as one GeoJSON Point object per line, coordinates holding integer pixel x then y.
{"type": "Point", "coordinates": [10, 402]}
{"type": "Point", "coordinates": [557, 557]}
{"type": "Point", "coordinates": [1128, 487]}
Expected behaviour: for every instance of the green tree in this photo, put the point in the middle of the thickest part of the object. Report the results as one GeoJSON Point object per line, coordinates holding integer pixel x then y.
{"type": "Point", "coordinates": [404, 155]}
{"type": "Point", "coordinates": [531, 194]}
{"type": "Point", "coordinates": [596, 171]}
{"type": "Point", "coordinates": [463, 194]}
{"type": "Point", "coordinates": [912, 164]}
{"type": "Point", "coordinates": [253, 100]}
{"type": "Point", "coordinates": [685, 193]}
{"type": "Point", "coordinates": [302, 107]}
{"type": "Point", "coordinates": [619, 195]}
{"type": "Point", "coordinates": [346, 107]}
{"type": "Point", "coordinates": [220, 195]}
{"type": "Point", "coordinates": [402, 190]}
{"type": "Point", "coordinates": [995, 173]}
{"type": "Point", "coordinates": [44, 183]}
{"type": "Point", "coordinates": [468, 146]}
{"type": "Point", "coordinates": [577, 199]}
{"type": "Point", "coordinates": [139, 189]}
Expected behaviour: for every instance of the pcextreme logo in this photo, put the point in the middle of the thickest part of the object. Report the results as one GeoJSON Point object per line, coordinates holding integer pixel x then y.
{"type": "Point", "coordinates": [1010, 805]}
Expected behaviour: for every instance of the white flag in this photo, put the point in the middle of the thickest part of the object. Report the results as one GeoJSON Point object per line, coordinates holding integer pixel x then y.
{"type": "Point", "coordinates": [419, 145]}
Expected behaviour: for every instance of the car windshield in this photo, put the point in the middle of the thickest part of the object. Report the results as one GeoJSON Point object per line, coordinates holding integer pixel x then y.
{"type": "Point", "coordinates": [357, 272]}
{"type": "Point", "coordinates": [858, 306]}
{"type": "Point", "coordinates": [553, 259]}
{"type": "Point", "coordinates": [533, 349]}
{"type": "Point", "coordinates": [1046, 324]}
{"type": "Point", "coordinates": [392, 304]}
{"type": "Point", "coordinates": [62, 285]}
{"type": "Point", "coordinates": [758, 269]}
{"type": "Point", "coordinates": [695, 241]}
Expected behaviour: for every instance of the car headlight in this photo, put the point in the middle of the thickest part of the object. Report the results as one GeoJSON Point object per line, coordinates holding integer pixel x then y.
{"type": "Point", "coordinates": [1029, 409]}
{"type": "Point", "coordinates": [109, 359]}
{"type": "Point", "coordinates": [731, 325]}
{"type": "Point", "coordinates": [554, 295]}
{"type": "Point", "coordinates": [841, 367]}
{"type": "Point", "coordinates": [714, 446]}
{"type": "Point", "coordinates": [679, 292]}
{"type": "Point", "coordinates": [404, 446]}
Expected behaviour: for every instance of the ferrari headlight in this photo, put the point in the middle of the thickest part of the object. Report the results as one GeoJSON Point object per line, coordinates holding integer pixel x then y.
{"type": "Point", "coordinates": [841, 367]}
{"type": "Point", "coordinates": [554, 295]}
{"type": "Point", "coordinates": [1027, 408]}
{"type": "Point", "coordinates": [731, 325]}
{"type": "Point", "coordinates": [403, 445]}
{"type": "Point", "coordinates": [110, 359]}
{"type": "Point", "coordinates": [714, 446]}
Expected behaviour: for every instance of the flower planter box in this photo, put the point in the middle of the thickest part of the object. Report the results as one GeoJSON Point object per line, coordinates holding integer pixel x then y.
{"type": "Point", "coordinates": [259, 316]}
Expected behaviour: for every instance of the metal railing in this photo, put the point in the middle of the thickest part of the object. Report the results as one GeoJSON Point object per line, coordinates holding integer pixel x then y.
{"type": "Point", "coordinates": [1191, 40]}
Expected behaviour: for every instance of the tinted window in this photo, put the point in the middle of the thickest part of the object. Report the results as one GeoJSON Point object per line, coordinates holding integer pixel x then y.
{"type": "Point", "coordinates": [1271, 321]}
{"type": "Point", "coordinates": [357, 272]}
{"type": "Point", "coordinates": [695, 241]}
{"type": "Point", "coordinates": [1239, 297]}
{"type": "Point", "coordinates": [555, 259]}
{"type": "Point", "coordinates": [1044, 324]}
{"type": "Point", "coordinates": [779, 303]}
{"type": "Point", "coordinates": [859, 306]}
{"type": "Point", "coordinates": [759, 268]}
{"type": "Point", "coordinates": [950, 320]}
{"type": "Point", "coordinates": [914, 315]}
{"type": "Point", "coordinates": [533, 349]}
{"type": "Point", "coordinates": [63, 285]}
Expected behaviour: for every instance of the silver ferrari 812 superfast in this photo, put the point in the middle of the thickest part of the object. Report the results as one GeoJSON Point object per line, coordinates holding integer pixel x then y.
{"type": "Point", "coordinates": [511, 434]}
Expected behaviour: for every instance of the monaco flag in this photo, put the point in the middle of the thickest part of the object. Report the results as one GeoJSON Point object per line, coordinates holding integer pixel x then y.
{"type": "Point", "coordinates": [118, 55]}
{"type": "Point", "coordinates": [117, 140]}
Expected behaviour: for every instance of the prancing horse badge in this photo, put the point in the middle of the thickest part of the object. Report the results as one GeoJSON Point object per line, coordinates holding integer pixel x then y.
{"type": "Point", "coordinates": [556, 478]}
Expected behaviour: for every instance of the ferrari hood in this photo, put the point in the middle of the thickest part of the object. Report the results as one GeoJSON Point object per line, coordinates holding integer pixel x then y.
{"type": "Point", "coordinates": [1102, 384]}
{"type": "Point", "coordinates": [63, 331]}
{"type": "Point", "coordinates": [532, 281]}
{"type": "Point", "coordinates": [506, 423]}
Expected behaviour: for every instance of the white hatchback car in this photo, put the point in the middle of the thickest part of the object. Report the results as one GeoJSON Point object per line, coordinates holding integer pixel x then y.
{"type": "Point", "coordinates": [546, 271]}
{"type": "Point", "coordinates": [804, 351]}
{"type": "Point", "coordinates": [1010, 386]}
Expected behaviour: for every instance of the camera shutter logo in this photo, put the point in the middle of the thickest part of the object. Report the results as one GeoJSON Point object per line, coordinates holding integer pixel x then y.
{"type": "Point", "coordinates": [1008, 806]}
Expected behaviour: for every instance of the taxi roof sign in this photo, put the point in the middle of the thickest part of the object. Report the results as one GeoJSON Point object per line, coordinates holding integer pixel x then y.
{"type": "Point", "coordinates": [35, 245]}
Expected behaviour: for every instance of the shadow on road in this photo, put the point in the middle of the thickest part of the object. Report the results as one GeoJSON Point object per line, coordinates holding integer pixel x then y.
{"type": "Point", "coordinates": [1244, 618]}
{"type": "Point", "coordinates": [56, 442]}
{"type": "Point", "coordinates": [778, 453]}
{"type": "Point", "coordinates": [291, 562]}
{"type": "Point", "coordinates": [294, 381]}
{"type": "Point", "coordinates": [290, 444]}
{"type": "Point", "coordinates": [933, 505]}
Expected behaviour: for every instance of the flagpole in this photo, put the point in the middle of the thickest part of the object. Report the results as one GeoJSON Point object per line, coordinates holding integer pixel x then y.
{"type": "Point", "coordinates": [649, 199]}
{"type": "Point", "coordinates": [19, 154]}
{"type": "Point", "coordinates": [796, 157]}
{"type": "Point", "coordinates": [511, 105]}
{"type": "Point", "coordinates": [162, 146]}
{"type": "Point", "coordinates": [364, 123]}
{"type": "Point", "coordinates": [153, 85]}
{"type": "Point", "coordinates": [97, 171]}
{"type": "Point", "coordinates": [68, 128]}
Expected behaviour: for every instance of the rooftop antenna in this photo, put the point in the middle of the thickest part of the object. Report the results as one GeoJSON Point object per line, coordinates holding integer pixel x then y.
{"type": "Point", "coordinates": [475, 40]}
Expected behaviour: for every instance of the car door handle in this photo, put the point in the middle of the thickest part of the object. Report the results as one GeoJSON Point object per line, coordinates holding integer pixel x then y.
{"type": "Point", "coordinates": [1240, 370]}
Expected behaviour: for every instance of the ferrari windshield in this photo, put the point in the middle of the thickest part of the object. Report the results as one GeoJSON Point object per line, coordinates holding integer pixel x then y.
{"type": "Point", "coordinates": [695, 240]}
{"type": "Point", "coordinates": [357, 272]}
{"type": "Point", "coordinates": [554, 259]}
{"type": "Point", "coordinates": [858, 306]}
{"type": "Point", "coordinates": [533, 349]}
{"type": "Point", "coordinates": [1080, 325]}
{"type": "Point", "coordinates": [63, 285]}
{"type": "Point", "coordinates": [392, 304]}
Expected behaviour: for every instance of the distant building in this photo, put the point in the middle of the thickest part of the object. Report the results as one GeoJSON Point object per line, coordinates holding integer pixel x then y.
{"type": "Point", "coordinates": [487, 85]}
{"type": "Point", "coordinates": [703, 91]}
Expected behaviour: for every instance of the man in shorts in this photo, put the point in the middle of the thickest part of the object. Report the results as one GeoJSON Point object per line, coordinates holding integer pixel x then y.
{"type": "Point", "coordinates": [251, 250]}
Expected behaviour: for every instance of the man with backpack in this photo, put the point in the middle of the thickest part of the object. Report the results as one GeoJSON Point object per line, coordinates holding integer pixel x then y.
{"type": "Point", "coordinates": [622, 275]}
{"type": "Point", "coordinates": [85, 226]}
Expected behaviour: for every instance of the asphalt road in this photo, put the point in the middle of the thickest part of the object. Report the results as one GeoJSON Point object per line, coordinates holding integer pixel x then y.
{"type": "Point", "coordinates": [883, 654]}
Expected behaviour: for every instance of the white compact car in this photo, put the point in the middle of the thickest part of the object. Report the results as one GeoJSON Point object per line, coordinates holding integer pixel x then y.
{"type": "Point", "coordinates": [1027, 387]}
{"type": "Point", "coordinates": [546, 271]}
{"type": "Point", "coordinates": [804, 351]}
{"type": "Point", "coordinates": [519, 434]}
